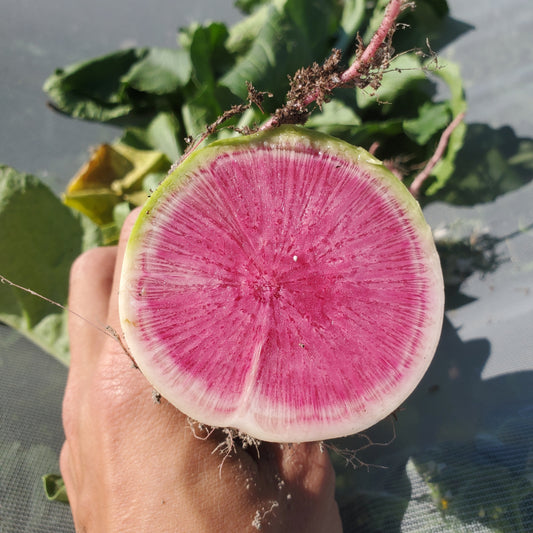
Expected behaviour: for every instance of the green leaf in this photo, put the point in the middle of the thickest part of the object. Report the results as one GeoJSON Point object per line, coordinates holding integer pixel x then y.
{"type": "Point", "coordinates": [336, 118]}
{"type": "Point", "coordinates": [432, 118]}
{"type": "Point", "coordinates": [423, 22]}
{"type": "Point", "coordinates": [203, 99]}
{"type": "Point", "coordinates": [404, 75]}
{"type": "Point", "coordinates": [39, 237]}
{"type": "Point", "coordinates": [160, 71]}
{"type": "Point", "coordinates": [243, 34]}
{"type": "Point", "coordinates": [381, 131]}
{"type": "Point", "coordinates": [375, 17]}
{"type": "Point", "coordinates": [450, 73]}
{"type": "Point", "coordinates": [114, 174]}
{"type": "Point", "coordinates": [111, 231]}
{"type": "Point", "coordinates": [54, 488]}
{"type": "Point", "coordinates": [92, 90]}
{"type": "Point", "coordinates": [294, 34]}
{"type": "Point", "coordinates": [201, 110]}
{"type": "Point", "coordinates": [161, 134]}
{"type": "Point", "coordinates": [352, 18]}
{"type": "Point", "coordinates": [207, 48]}
{"type": "Point", "coordinates": [247, 6]}
{"type": "Point", "coordinates": [444, 170]}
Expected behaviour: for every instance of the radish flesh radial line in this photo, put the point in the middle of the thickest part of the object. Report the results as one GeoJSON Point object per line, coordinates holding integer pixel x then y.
{"type": "Point", "coordinates": [234, 331]}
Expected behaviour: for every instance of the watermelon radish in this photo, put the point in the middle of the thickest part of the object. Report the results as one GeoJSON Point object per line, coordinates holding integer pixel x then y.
{"type": "Point", "coordinates": [284, 284]}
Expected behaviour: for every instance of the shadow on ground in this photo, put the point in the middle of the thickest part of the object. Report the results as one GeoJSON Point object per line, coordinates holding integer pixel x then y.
{"type": "Point", "coordinates": [461, 456]}
{"type": "Point", "coordinates": [462, 451]}
{"type": "Point", "coordinates": [492, 162]}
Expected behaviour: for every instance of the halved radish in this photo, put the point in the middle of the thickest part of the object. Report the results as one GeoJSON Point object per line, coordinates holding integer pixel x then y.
{"type": "Point", "coordinates": [284, 284]}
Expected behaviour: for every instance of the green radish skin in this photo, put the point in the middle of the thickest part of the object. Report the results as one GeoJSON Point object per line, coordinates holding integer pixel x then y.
{"type": "Point", "coordinates": [284, 284]}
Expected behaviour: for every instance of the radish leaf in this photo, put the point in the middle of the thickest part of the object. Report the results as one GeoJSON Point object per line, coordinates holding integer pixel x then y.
{"type": "Point", "coordinates": [161, 71]}
{"type": "Point", "coordinates": [295, 33]}
{"type": "Point", "coordinates": [93, 89]}
{"type": "Point", "coordinates": [39, 237]}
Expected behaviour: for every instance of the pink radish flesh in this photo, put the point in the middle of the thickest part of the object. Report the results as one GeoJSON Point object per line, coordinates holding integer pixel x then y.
{"type": "Point", "coordinates": [285, 285]}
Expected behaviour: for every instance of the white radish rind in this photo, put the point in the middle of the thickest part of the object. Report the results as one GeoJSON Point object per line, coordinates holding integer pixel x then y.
{"type": "Point", "coordinates": [284, 284]}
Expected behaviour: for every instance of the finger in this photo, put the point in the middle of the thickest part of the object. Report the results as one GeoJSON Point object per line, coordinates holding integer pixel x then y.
{"type": "Point", "coordinates": [117, 356]}
{"type": "Point", "coordinates": [308, 465]}
{"type": "Point", "coordinates": [310, 480]}
{"type": "Point", "coordinates": [113, 314]}
{"type": "Point", "coordinates": [305, 468]}
{"type": "Point", "coordinates": [69, 473]}
{"type": "Point", "coordinates": [91, 278]}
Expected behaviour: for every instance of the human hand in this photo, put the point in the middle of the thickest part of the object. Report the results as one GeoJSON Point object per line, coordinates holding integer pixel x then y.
{"type": "Point", "coordinates": [130, 464]}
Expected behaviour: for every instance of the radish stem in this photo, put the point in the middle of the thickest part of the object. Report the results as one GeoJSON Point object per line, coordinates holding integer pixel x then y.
{"type": "Point", "coordinates": [385, 28]}
{"type": "Point", "coordinates": [359, 68]}
{"type": "Point", "coordinates": [420, 178]}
